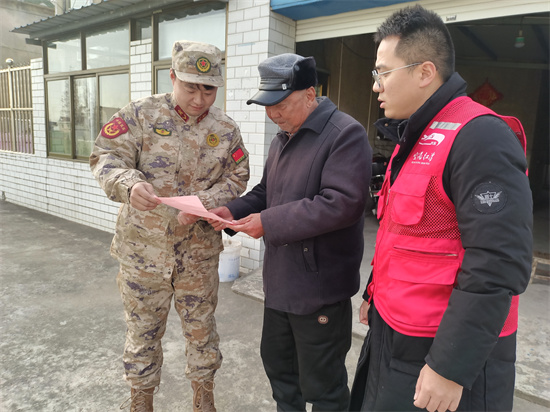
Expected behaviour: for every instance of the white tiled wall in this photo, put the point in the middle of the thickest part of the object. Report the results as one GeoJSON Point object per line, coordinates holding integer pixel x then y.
{"type": "Point", "coordinates": [141, 58]}
{"type": "Point", "coordinates": [66, 188]}
{"type": "Point", "coordinates": [39, 108]}
{"type": "Point", "coordinates": [63, 188]}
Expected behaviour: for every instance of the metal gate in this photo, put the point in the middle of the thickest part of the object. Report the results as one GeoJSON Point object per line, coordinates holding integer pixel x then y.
{"type": "Point", "coordinates": [16, 133]}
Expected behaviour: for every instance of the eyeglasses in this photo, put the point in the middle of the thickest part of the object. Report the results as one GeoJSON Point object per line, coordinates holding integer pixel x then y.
{"type": "Point", "coordinates": [376, 75]}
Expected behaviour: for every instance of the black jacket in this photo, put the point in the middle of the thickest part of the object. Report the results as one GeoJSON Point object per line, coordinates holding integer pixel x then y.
{"type": "Point", "coordinates": [312, 201]}
{"type": "Point", "coordinates": [498, 246]}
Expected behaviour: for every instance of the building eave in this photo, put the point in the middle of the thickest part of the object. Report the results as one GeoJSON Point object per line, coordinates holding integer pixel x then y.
{"type": "Point", "coordinates": [307, 9]}
{"type": "Point", "coordinates": [94, 15]}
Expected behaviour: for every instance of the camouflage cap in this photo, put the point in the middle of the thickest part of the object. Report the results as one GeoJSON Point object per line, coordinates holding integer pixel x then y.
{"type": "Point", "coordinates": [196, 62]}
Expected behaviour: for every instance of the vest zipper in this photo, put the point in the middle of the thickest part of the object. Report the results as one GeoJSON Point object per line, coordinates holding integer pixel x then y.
{"type": "Point", "coordinates": [425, 252]}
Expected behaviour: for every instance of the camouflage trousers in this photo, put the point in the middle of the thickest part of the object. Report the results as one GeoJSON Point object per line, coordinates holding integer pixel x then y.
{"type": "Point", "coordinates": [147, 300]}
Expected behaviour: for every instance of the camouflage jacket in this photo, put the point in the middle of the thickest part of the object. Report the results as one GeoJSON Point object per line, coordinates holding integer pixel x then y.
{"type": "Point", "coordinates": [152, 140]}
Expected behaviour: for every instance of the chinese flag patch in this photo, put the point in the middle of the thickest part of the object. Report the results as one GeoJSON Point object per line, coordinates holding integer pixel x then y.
{"type": "Point", "coordinates": [238, 155]}
{"type": "Point", "coordinates": [114, 128]}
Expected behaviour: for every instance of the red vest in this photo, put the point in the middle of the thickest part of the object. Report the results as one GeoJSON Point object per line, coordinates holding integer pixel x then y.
{"type": "Point", "coordinates": [418, 246]}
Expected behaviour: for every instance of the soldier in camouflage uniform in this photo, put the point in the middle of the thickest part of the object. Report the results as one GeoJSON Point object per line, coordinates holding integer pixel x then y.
{"type": "Point", "coordinates": [173, 144]}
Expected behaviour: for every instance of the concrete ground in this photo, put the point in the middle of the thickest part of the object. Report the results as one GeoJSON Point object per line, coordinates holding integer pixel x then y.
{"type": "Point", "coordinates": [62, 328]}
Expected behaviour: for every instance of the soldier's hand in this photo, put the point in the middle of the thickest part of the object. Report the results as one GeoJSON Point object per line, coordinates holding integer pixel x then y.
{"type": "Point", "coordinates": [187, 219]}
{"type": "Point", "coordinates": [142, 197]}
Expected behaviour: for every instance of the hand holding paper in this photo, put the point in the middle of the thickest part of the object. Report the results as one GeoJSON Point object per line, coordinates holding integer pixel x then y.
{"type": "Point", "coordinates": [191, 205]}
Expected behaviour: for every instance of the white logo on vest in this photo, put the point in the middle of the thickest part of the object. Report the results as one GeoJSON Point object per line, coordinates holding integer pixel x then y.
{"type": "Point", "coordinates": [434, 139]}
{"type": "Point", "coordinates": [422, 158]}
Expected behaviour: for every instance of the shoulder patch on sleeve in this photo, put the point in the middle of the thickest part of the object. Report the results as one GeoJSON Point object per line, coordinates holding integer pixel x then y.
{"type": "Point", "coordinates": [489, 198]}
{"type": "Point", "coordinates": [238, 155]}
{"type": "Point", "coordinates": [114, 128]}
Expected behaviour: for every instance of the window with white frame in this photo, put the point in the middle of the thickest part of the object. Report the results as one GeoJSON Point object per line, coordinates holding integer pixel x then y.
{"type": "Point", "coordinates": [205, 23]}
{"type": "Point", "coordinates": [87, 82]}
{"type": "Point", "coordinates": [88, 73]}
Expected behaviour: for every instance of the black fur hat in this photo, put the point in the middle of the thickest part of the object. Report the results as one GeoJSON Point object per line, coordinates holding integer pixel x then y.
{"type": "Point", "coordinates": [281, 75]}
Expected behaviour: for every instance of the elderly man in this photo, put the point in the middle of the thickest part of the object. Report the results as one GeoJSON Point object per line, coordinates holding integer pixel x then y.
{"type": "Point", "coordinates": [309, 207]}
{"type": "Point", "coordinates": [172, 144]}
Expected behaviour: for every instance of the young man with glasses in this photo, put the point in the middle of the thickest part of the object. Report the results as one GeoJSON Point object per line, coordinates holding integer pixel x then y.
{"type": "Point", "coordinates": [453, 250]}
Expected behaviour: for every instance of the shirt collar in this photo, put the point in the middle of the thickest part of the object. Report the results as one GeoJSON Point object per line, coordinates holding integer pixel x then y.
{"type": "Point", "coordinates": [186, 117]}
{"type": "Point", "coordinates": [317, 120]}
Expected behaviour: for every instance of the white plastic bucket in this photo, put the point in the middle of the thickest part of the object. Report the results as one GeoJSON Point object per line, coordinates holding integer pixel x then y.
{"type": "Point", "coordinates": [230, 260]}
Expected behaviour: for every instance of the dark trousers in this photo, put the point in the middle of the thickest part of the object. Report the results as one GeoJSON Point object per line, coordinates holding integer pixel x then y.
{"type": "Point", "coordinates": [304, 357]}
{"type": "Point", "coordinates": [390, 362]}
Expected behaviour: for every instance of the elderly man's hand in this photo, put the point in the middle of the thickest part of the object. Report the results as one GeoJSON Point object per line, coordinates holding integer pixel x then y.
{"type": "Point", "coordinates": [222, 212]}
{"type": "Point", "coordinates": [251, 225]}
{"type": "Point", "coordinates": [436, 393]}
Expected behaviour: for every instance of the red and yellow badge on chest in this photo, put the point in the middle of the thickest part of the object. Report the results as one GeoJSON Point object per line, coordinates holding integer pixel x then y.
{"type": "Point", "coordinates": [114, 128]}
{"type": "Point", "coordinates": [213, 140]}
{"type": "Point", "coordinates": [161, 131]}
